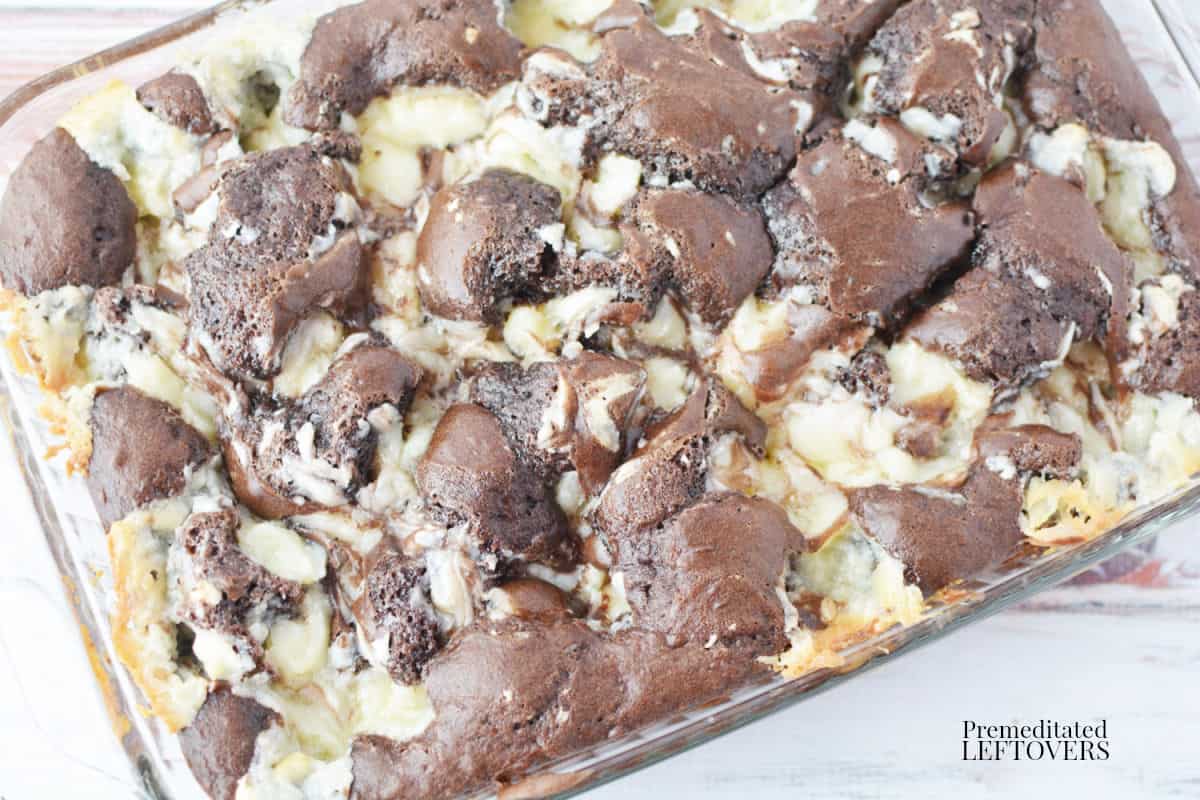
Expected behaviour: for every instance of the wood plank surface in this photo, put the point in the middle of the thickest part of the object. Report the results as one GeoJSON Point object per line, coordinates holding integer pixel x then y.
{"type": "Point", "coordinates": [33, 41]}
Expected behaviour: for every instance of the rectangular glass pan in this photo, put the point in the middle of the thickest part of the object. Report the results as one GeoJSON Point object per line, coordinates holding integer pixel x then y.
{"type": "Point", "coordinates": [1165, 41]}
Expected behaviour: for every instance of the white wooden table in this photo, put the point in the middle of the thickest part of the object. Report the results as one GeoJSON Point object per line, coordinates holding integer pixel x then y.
{"type": "Point", "coordinates": [1128, 652]}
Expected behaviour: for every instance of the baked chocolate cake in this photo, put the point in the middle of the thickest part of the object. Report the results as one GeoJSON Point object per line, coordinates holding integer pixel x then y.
{"type": "Point", "coordinates": [464, 383]}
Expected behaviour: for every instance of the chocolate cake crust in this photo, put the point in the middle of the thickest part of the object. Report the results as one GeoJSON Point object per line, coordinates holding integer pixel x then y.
{"type": "Point", "coordinates": [142, 451]}
{"type": "Point", "coordinates": [64, 221]}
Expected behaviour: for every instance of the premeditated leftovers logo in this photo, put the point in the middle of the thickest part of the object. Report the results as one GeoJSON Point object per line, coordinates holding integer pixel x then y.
{"type": "Point", "coordinates": [1044, 740]}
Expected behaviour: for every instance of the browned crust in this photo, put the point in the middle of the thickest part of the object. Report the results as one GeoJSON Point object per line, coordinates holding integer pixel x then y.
{"type": "Point", "coordinates": [136, 588]}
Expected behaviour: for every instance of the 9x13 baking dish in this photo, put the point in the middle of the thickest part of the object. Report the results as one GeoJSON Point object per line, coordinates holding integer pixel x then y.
{"type": "Point", "coordinates": [1162, 39]}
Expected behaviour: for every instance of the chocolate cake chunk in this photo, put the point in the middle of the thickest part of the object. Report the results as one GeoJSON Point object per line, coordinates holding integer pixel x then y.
{"type": "Point", "coordinates": [395, 603]}
{"type": "Point", "coordinates": [666, 476]}
{"type": "Point", "coordinates": [338, 144]}
{"type": "Point", "coordinates": [114, 308]}
{"type": "Point", "coordinates": [944, 536]}
{"type": "Point", "coordinates": [996, 328]}
{"type": "Point", "coordinates": [521, 397]}
{"type": "Point", "coordinates": [485, 241]}
{"type": "Point", "coordinates": [604, 391]}
{"type": "Point", "coordinates": [294, 458]}
{"type": "Point", "coordinates": [723, 414]}
{"type": "Point", "coordinates": [812, 59]}
{"type": "Point", "coordinates": [952, 59]}
{"type": "Point", "coordinates": [362, 51]}
{"type": "Point", "coordinates": [663, 101]}
{"type": "Point", "coordinates": [806, 57]}
{"type": "Point", "coordinates": [714, 251]}
{"type": "Point", "coordinates": [219, 743]}
{"type": "Point", "coordinates": [470, 475]}
{"type": "Point", "coordinates": [1045, 274]}
{"type": "Point", "coordinates": [142, 451]}
{"type": "Point", "coordinates": [639, 273]}
{"type": "Point", "coordinates": [511, 696]}
{"type": "Point", "coordinates": [248, 591]}
{"type": "Point", "coordinates": [1081, 71]}
{"type": "Point", "coordinates": [1044, 228]}
{"type": "Point", "coordinates": [710, 410]}
{"type": "Point", "coordinates": [64, 221]}
{"type": "Point", "coordinates": [853, 223]}
{"type": "Point", "coordinates": [710, 573]}
{"type": "Point", "coordinates": [1033, 449]}
{"type": "Point", "coordinates": [1171, 362]}
{"type": "Point", "coordinates": [177, 99]}
{"type": "Point", "coordinates": [687, 119]}
{"type": "Point", "coordinates": [366, 378]}
{"type": "Point", "coordinates": [869, 374]}
{"type": "Point", "coordinates": [250, 475]}
{"type": "Point", "coordinates": [670, 471]}
{"type": "Point", "coordinates": [282, 247]}
{"type": "Point", "coordinates": [855, 20]}
{"type": "Point", "coordinates": [567, 414]}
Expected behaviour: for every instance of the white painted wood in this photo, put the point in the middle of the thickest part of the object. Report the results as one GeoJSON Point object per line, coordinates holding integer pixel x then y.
{"type": "Point", "coordinates": [896, 732]}
{"type": "Point", "coordinates": [34, 43]}
{"type": "Point", "coordinates": [99, 7]}
{"type": "Point", "coordinates": [55, 739]}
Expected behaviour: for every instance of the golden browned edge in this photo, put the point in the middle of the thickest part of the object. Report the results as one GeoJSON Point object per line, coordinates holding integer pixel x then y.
{"type": "Point", "coordinates": [545, 784]}
{"type": "Point", "coordinates": [97, 661]}
{"type": "Point", "coordinates": [100, 669]}
{"type": "Point", "coordinates": [127, 580]}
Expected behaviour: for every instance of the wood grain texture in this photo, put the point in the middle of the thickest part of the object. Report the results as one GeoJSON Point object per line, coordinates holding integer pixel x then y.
{"type": "Point", "coordinates": [896, 732]}
{"type": "Point", "coordinates": [35, 41]}
{"type": "Point", "coordinates": [1125, 645]}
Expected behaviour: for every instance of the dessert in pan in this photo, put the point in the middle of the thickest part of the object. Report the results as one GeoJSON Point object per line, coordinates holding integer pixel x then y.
{"type": "Point", "coordinates": [461, 384]}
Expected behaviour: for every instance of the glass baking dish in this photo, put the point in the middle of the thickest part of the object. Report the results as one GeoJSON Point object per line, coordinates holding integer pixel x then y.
{"type": "Point", "coordinates": [1165, 41]}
